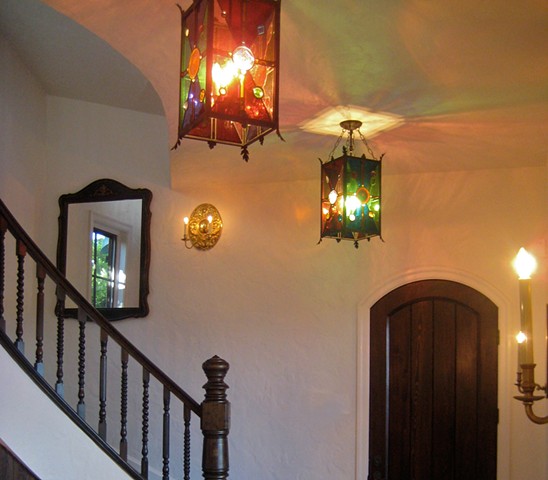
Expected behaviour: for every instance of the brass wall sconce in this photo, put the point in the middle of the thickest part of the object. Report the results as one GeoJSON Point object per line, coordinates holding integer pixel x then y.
{"type": "Point", "coordinates": [525, 265]}
{"type": "Point", "coordinates": [203, 228]}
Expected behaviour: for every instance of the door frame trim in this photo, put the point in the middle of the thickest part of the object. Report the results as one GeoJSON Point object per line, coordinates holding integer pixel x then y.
{"type": "Point", "coordinates": [504, 360]}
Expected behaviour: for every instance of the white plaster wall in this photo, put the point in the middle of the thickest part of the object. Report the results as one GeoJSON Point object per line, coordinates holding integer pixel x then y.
{"type": "Point", "coordinates": [29, 423]}
{"type": "Point", "coordinates": [22, 137]}
{"type": "Point", "coordinates": [283, 310]}
{"type": "Point", "coordinates": [23, 158]}
{"type": "Point", "coordinates": [29, 419]}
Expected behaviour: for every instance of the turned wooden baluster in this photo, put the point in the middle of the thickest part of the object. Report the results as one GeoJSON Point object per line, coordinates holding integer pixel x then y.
{"type": "Point", "coordinates": [60, 313]}
{"type": "Point", "coordinates": [144, 450]}
{"type": "Point", "coordinates": [186, 452]}
{"type": "Point", "coordinates": [215, 422]}
{"type": "Point", "coordinates": [81, 407]}
{"type": "Point", "coordinates": [20, 251]}
{"type": "Point", "coordinates": [165, 443]}
{"type": "Point", "coordinates": [3, 228]}
{"type": "Point", "coordinates": [103, 386]}
{"type": "Point", "coordinates": [41, 277]}
{"type": "Point", "coordinates": [123, 410]}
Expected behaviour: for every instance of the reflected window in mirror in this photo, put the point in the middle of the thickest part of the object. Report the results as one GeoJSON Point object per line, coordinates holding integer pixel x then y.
{"type": "Point", "coordinates": [107, 263]}
{"type": "Point", "coordinates": [104, 247]}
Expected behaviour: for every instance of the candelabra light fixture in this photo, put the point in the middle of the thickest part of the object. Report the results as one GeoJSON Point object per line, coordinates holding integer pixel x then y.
{"type": "Point", "coordinates": [203, 228]}
{"type": "Point", "coordinates": [229, 72]}
{"type": "Point", "coordinates": [525, 265]}
{"type": "Point", "coordinates": [351, 191]}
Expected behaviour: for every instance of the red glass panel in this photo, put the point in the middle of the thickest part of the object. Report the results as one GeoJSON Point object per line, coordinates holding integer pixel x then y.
{"type": "Point", "coordinates": [213, 86]}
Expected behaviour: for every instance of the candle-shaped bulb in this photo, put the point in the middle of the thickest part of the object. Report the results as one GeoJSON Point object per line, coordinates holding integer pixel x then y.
{"type": "Point", "coordinates": [521, 337]}
{"type": "Point", "coordinates": [185, 229]}
{"type": "Point", "coordinates": [524, 264]}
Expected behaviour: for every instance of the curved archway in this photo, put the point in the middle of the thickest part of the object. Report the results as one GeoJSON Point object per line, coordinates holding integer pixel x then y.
{"type": "Point", "coordinates": [467, 281]}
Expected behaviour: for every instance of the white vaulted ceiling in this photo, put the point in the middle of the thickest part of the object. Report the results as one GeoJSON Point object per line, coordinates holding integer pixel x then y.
{"type": "Point", "coordinates": [468, 80]}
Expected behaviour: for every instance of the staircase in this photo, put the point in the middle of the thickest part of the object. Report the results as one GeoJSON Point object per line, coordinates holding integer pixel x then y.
{"type": "Point", "coordinates": [144, 423]}
{"type": "Point", "coordinates": [11, 467]}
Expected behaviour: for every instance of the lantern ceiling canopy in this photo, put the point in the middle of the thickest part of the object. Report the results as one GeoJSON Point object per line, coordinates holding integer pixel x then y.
{"type": "Point", "coordinates": [351, 191]}
{"type": "Point", "coordinates": [229, 86]}
{"type": "Point", "coordinates": [328, 121]}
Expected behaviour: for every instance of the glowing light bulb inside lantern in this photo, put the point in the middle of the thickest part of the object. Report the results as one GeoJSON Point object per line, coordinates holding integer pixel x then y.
{"type": "Point", "coordinates": [223, 75]}
{"type": "Point", "coordinates": [243, 58]}
{"type": "Point", "coordinates": [332, 197]}
{"type": "Point", "coordinates": [352, 204]}
{"type": "Point", "coordinates": [521, 337]}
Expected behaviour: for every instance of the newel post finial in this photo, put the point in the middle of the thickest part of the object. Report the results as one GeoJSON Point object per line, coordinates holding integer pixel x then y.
{"type": "Point", "coordinates": [215, 422]}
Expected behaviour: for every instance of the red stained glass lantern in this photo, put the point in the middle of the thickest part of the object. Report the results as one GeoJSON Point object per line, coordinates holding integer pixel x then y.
{"type": "Point", "coordinates": [230, 52]}
{"type": "Point", "coordinates": [351, 193]}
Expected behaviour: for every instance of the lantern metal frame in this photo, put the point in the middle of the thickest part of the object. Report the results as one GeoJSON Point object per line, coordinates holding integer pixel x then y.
{"type": "Point", "coordinates": [229, 72]}
{"type": "Point", "coordinates": [351, 191]}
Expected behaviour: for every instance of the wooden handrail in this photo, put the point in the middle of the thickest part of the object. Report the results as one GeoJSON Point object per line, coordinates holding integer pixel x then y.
{"type": "Point", "coordinates": [51, 270]}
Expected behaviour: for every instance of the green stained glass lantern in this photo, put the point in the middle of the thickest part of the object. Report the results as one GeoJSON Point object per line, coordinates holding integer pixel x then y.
{"type": "Point", "coordinates": [229, 83]}
{"type": "Point", "coordinates": [351, 193]}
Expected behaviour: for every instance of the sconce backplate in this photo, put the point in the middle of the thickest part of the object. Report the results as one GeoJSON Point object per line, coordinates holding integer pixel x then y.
{"type": "Point", "coordinates": [203, 234]}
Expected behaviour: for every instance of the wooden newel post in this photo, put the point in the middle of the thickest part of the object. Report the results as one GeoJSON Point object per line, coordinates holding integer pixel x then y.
{"type": "Point", "coordinates": [215, 420]}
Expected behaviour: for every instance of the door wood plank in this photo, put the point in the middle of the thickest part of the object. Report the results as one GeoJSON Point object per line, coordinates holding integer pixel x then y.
{"type": "Point", "coordinates": [421, 378]}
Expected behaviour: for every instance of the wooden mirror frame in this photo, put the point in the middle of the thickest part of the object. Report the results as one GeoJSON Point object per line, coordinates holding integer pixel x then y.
{"type": "Point", "coordinates": [107, 190]}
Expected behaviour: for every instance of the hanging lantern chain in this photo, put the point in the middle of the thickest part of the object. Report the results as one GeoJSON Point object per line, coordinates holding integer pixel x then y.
{"type": "Point", "coordinates": [330, 156]}
{"type": "Point", "coordinates": [350, 126]}
{"type": "Point", "coordinates": [367, 145]}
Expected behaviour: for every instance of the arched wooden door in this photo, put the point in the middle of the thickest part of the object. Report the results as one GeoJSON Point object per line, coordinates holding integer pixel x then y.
{"type": "Point", "coordinates": [433, 384]}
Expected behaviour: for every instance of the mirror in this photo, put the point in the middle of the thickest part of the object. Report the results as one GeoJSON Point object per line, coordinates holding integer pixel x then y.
{"type": "Point", "coordinates": [104, 247]}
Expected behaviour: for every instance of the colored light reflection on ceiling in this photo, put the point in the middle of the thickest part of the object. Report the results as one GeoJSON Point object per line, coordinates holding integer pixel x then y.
{"type": "Point", "coordinates": [328, 121]}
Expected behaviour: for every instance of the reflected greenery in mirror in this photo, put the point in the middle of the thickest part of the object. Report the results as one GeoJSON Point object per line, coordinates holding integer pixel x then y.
{"type": "Point", "coordinates": [104, 247]}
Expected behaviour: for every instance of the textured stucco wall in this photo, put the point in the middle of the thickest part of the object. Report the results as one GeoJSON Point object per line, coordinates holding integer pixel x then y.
{"type": "Point", "coordinates": [22, 137]}
{"type": "Point", "coordinates": [284, 311]}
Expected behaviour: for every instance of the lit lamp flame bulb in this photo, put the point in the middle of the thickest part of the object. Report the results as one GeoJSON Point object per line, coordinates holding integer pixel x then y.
{"type": "Point", "coordinates": [524, 264]}
{"type": "Point", "coordinates": [521, 337]}
{"type": "Point", "coordinates": [223, 75]}
{"type": "Point", "coordinates": [352, 204]}
{"type": "Point", "coordinates": [243, 58]}
{"type": "Point", "coordinates": [185, 229]}
{"type": "Point", "coordinates": [332, 197]}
